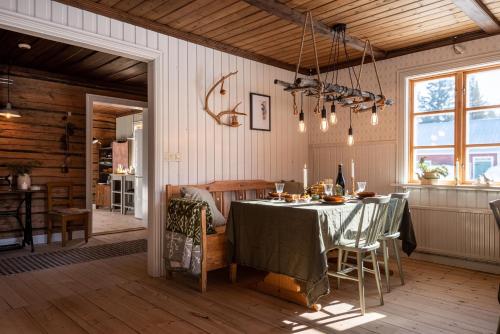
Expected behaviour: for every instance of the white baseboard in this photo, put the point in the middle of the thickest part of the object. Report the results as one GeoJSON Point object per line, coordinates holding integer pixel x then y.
{"type": "Point", "coordinates": [491, 268]}
{"type": "Point", "coordinates": [40, 238]}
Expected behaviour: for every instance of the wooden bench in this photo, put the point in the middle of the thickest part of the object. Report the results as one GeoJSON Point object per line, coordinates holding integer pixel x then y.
{"type": "Point", "coordinates": [213, 246]}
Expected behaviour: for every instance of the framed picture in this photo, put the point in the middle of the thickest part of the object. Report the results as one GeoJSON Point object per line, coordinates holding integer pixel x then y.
{"type": "Point", "coordinates": [260, 112]}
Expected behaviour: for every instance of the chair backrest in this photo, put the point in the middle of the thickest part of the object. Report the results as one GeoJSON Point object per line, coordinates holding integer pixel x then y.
{"type": "Point", "coordinates": [396, 211]}
{"type": "Point", "coordinates": [374, 213]}
{"type": "Point", "coordinates": [59, 194]}
{"type": "Point", "coordinates": [220, 190]}
{"type": "Point", "coordinates": [495, 207]}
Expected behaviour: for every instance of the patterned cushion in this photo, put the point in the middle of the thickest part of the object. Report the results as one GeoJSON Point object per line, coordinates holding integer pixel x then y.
{"type": "Point", "coordinates": [184, 216]}
{"type": "Point", "coordinates": [204, 195]}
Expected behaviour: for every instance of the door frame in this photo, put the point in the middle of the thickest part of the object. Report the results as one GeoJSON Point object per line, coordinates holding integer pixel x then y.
{"type": "Point", "coordinates": [38, 27]}
{"type": "Point", "coordinates": [89, 125]}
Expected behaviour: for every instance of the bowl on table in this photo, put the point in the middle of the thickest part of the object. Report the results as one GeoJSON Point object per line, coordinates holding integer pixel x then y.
{"type": "Point", "coordinates": [365, 194]}
{"type": "Point", "coordinates": [335, 199]}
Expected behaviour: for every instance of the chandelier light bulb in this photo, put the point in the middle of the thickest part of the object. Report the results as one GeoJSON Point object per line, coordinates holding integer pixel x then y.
{"type": "Point", "coordinates": [350, 137]}
{"type": "Point", "coordinates": [374, 118]}
{"type": "Point", "coordinates": [333, 115]}
{"type": "Point", "coordinates": [302, 124]}
{"type": "Point", "coordinates": [324, 122]}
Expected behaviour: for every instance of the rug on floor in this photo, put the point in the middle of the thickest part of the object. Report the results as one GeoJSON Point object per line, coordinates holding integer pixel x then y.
{"type": "Point", "coordinates": [32, 262]}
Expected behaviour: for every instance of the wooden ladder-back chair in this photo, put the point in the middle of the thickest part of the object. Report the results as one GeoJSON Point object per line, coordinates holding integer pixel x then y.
{"type": "Point", "coordinates": [363, 240]}
{"type": "Point", "coordinates": [391, 234]}
{"type": "Point", "coordinates": [213, 246]}
{"type": "Point", "coordinates": [61, 210]}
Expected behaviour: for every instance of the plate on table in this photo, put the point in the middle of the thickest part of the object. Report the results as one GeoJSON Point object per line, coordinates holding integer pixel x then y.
{"type": "Point", "coordinates": [365, 194]}
{"type": "Point", "coordinates": [273, 195]}
{"type": "Point", "coordinates": [335, 200]}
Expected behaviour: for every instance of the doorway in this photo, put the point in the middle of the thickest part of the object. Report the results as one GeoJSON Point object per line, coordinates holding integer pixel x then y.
{"type": "Point", "coordinates": [118, 167]}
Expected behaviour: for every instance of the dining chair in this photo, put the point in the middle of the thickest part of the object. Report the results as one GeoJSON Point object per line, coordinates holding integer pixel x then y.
{"type": "Point", "coordinates": [391, 233]}
{"type": "Point", "coordinates": [363, 241]}
{"type": "Point", "coordinates": [60, 210]}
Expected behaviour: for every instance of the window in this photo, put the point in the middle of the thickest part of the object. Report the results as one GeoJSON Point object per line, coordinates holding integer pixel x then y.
{"type": "Point", "coordinates": [456, 116]}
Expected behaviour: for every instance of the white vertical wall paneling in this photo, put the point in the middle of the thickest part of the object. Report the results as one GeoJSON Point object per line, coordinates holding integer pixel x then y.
{"type": "Point", "coordinates": [59, 13]}
{"type": "Point", "coordinates": [75, 17]}
{"type": "Point", "coordinates": [173, 106]}
{"type": "Point", "coordinates": [240, 97]}
{"type": "Point", "coordinates": [141, 36]}
{"type": "Point", "coordinates": [233, 132]}
{"type": "Point", "coordinates": [43, 9]}
{"type": "Point", "coordinates": [209, 122]}
{"type": "Point", "coordinates": [217, 131]}
{"type": "Point", "coordinates": [247, 86]}
{"type": "Point", "coordinates": [26, 7]}
{"type": "Point", "coordinates": [9, 5]}
{"type": "Point", "coordinates": [201, 115]}
{"type": "Point", "coordinates": [129, 32]}
{"type": "Point", "coordinates": [89, 21]}
{"type": "Point", "coordinates": [103, 25]}
{"type": "Point", "coordinates": [192, 111]}
{"type": "Point", "coordinates": [116, 30]}
{"type": "Point", "coordinates": [182, 82]}
{"type": "Point", "coordinates": [224, 133]}
{"type": "Point", "coordinates": [152, 39]}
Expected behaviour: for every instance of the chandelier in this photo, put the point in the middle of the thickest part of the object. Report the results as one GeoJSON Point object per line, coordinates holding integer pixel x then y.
{"type": "Point", "coordinates": [329, 90]}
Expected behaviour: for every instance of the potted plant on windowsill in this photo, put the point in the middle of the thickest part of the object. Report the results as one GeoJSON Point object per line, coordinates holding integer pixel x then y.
{"type": "Point", "coordinates": [23, 171]}
{"type": "Point", "coordinates": [428, 174]}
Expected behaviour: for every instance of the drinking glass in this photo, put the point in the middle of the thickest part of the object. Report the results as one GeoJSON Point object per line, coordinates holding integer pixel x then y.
{"type": "Point", "coordinates": [329, 189]}
{"type": "Point", "coordinates": [279, 189]}
{"type": "Point", "coordinates": [361, 186]}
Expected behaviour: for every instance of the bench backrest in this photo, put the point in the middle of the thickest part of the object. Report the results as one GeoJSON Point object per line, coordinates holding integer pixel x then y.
{"type": "Point", "coordinates": [227, 190]}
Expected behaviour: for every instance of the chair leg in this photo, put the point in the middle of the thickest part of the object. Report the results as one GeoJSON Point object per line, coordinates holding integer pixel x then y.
{"type": "Point", "coordinates": [64, 231]}
{"type": "Point", "coordinates": [49, 231]}
{"type": "Point", "coordinates": [339, 266]}
{"type": "Point", "coordinates": [377, 276]}
{"type": "Point", "coordinates": [385, 250]}
{"type": "Point", "coordinates": [361, 283]}
{"type": "Point", "coordinates": [233, 267]}
{"type": "Point", "coordinates": [70, 234]}
{"type": "Point", "coordinates": [86, 228]}
{"type": "Point", "coordinates": [398, 260]}
{"type": "Point", "coordinates": [203, 280]}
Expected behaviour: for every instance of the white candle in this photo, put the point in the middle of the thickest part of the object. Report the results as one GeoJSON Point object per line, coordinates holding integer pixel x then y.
{"type": "Point", "coordinates": [457, 170]}
{"type": "Point", "coordinates": [352, 169]}
{"type": "Point", "coordinates": [305, 176]}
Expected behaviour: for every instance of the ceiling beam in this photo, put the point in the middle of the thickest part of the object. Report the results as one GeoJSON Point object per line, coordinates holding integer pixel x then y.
{"type": "Point", "coordinates": [470, 36]}
{"type": "Point", "coordinates": [123, 16]}
{"type": "Point", "coordinates": [480, 14]}
{"type": "Point", "coordinates": [289, 14]}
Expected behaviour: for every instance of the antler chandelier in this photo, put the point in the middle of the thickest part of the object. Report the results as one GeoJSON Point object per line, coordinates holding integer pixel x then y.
{"type": "Point", "coordinates": [330, 91]}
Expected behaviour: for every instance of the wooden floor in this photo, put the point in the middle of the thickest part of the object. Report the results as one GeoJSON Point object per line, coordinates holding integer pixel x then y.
{"type": "Point", "coordinates": [105, 221]}
{"type": "Point", "coordinates": [116, 296]}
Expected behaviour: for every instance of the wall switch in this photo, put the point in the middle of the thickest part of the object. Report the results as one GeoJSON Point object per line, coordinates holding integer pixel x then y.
{"type": "Point", "coordinates": [174, 157]}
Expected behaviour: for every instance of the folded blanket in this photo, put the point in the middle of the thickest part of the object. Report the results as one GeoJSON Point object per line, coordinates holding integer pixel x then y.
{"type": "Point", "coordinates": [183, 234]}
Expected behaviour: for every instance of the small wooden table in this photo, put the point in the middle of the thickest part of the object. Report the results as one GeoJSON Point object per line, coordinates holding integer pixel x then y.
{"type": "Point", "coordinates": [24, 196]}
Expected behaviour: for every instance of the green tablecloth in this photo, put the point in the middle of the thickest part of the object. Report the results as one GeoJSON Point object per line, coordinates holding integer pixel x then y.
{"type": "Point", "coordinates": [290, 239]}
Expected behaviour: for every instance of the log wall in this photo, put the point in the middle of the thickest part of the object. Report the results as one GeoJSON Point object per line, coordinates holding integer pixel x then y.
{"type": "Point", "coordinates": [42, 103]}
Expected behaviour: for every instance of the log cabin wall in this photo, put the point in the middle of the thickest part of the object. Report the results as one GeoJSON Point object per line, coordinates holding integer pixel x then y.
{"type": "Point", "coordinates": [43, 99]}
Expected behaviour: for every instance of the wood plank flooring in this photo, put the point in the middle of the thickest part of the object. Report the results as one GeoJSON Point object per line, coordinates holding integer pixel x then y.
{"type": "Point", "coordinates": [117, 296]}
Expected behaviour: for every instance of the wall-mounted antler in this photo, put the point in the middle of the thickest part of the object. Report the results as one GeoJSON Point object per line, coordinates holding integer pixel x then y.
{"type": "Point", "coordinates": [232, 112]}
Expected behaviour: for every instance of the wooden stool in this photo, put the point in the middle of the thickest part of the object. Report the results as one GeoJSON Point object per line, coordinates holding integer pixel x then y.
{"type": "Point", "coordinates": [66, 215]}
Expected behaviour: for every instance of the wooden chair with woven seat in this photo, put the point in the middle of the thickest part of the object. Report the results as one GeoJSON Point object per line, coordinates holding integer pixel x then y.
{"type": "Point", "coordinates": [363, 241]}
{"type": "Point", "coordinates": [391, 234]}
{"type": "Point", "coordinates": [60, 210]}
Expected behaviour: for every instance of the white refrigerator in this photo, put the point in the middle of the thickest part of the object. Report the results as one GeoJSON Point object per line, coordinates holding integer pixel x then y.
{"type": "Point", "coordinates": [138, 164]}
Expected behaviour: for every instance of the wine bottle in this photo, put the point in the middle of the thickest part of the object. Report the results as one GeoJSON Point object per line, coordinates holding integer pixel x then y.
{"type": "Point", "coordinates": [340, 180]}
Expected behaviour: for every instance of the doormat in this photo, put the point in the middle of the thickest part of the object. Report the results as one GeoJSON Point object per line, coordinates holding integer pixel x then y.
{"type": "Point", "coordinates": [26, 263]}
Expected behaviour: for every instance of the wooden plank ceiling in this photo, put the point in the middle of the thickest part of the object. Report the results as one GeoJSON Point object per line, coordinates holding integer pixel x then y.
{"type": "Point", "coordinates": [72, 61]}
{"type": "Point", "coordinates": [394, 26]}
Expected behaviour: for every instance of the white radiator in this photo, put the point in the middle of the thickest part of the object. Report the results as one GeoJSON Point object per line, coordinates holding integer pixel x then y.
{"type": "Point", "coordinates": [468, 234]}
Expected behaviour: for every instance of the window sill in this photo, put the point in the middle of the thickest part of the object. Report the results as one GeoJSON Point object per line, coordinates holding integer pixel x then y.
{"type": "Point", "coordinates": [470, 187]}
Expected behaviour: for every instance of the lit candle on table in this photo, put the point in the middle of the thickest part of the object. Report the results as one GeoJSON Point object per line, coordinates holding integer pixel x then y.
{"type": "Point", "coordinates": [352, 175]}
{"type": "Point", "coordinates": [305, 177]}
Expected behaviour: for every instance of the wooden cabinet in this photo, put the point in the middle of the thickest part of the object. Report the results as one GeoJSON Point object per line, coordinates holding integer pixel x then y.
{"type": "Point", "coordinates": [103, 195]}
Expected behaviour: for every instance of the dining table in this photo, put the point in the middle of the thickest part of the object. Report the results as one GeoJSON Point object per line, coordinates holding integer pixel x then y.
{"type": "Point", "coordinates": [291, 242]}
